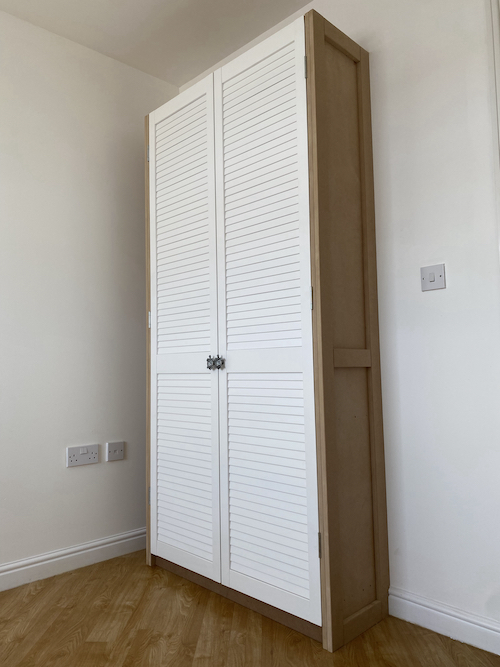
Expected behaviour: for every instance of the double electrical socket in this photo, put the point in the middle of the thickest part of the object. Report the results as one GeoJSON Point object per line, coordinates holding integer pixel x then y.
{"type": "Point", "coordinates": [82, 456]}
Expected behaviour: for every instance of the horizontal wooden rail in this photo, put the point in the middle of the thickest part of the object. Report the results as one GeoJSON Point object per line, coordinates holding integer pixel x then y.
{"type": "Point", "coordinates": [352, 358]}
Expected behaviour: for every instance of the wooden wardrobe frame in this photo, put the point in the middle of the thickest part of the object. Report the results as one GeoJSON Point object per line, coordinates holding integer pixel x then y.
{"type": "Point", "coordinates": [354, 590]}
{"type": "Point", "coordinates": [338, 525]}
{"type": "Point", "coordinates": [150, 559]}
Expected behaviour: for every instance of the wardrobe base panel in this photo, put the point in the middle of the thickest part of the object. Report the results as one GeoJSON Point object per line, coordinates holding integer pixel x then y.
{"type": "Point", "coordinates": [293, 622]}
{"type": "Point", "coordinates": [362, 620]}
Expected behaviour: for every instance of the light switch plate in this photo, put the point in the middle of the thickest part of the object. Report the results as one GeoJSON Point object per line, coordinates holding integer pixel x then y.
{"type": "Point", "coordinates": [115, 451]}
{"type": "Point", "coordinates": [432, 277]}
{"type": "Point", "coordinates": [82, 455]}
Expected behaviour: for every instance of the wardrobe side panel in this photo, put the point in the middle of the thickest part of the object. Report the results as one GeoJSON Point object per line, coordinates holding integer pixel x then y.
{"type": "Point", "coordinates": [346, 299]}
{"type": "Point", "coordinates": [346, 332]}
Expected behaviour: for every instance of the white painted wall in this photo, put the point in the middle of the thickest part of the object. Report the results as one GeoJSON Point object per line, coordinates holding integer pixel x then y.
{"type": "Point", "coordinates": [436, 162]}
{"type": "Point", "coordinates": [72, 292]}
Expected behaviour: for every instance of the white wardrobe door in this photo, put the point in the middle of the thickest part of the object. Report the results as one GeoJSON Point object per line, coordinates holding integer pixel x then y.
{"type": "Point", "coordinates": [185, 518]}
{"type": "Point", "coordinates": [269, 513]}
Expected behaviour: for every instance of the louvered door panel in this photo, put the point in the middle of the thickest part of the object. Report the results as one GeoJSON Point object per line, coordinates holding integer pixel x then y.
{"type": "Point", "coordinates": [184, 462]}
{"type": "Point", "coordinates": [185, 457]}
{"type": "Point", "coordinates": [183, 228]}
{"type": "Point", "coordinates": [267, 479]}
{"type": "Point", "coordinates": [262, 207]}
{"type": "Point", "coordinates": [269, 513]}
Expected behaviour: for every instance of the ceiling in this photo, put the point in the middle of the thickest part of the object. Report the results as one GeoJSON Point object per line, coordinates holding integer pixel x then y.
{"type": "Point", "coordinates": [174, 40]}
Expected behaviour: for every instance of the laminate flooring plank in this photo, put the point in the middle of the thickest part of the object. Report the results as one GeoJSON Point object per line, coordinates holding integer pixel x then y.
{"type": "Point", "coordinates": [389, 641]}
{"type": "Point", "coordinates": [321, 658]}
{"type": "Point", "coordinates": [253, 643]}
{"type": "Point", "coordinates": [238, 637]}
{"type": "Point", "coordinates": [137, 633]}
{"type": "Point", "coordinates": [60, 642]}
{"type": "Point", "coordinates": [166, 624]}
{"type": "Point", "coordinates": [142, 649]}
{"type": "Point", "coordinates": [283, 647]}
{"type": "Point", "coordinates": [59, 599]}
{"type": "Point", "coordinates": [383, 645]}
{"type": "Point", "coordinates": [174, 628]}
{"type": "Point", "coordinates": [181, 646]}
{"type": "Point", "coordinates": [16, 600]}
{"type": "Point", "coordinates": [464, 655]}
{"type": "Point", "coordinates": [213, 643]}
{"type": "Point", "coordinates": [245, 640]}
{"type": "Point", "coordinates": [431, 652]}
{"type": "Point", "coordinates": [286, 652]}
{"type": "Point", "coordinates": [357, 654]}
{"type": "Point", "coordinates": [114, 618]}
{"type": "Point", "coordinates": [21, 623]}
{"type": "Point", "coordinates": [92, 654]}
{"type": "Point", "coordinates": [113, 608]}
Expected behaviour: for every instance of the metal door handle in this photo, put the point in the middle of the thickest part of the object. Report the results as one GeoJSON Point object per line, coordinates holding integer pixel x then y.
{"type": "Point", "coordinates": [215, 363]}
{"type": "Point", "coordinates": [219, 363]}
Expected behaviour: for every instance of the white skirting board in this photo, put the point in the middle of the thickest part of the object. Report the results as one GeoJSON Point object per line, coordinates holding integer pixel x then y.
{"type": "Point", "coordinates": [468, 628]}
{"type": "Point", "coordinates": [49, 564]}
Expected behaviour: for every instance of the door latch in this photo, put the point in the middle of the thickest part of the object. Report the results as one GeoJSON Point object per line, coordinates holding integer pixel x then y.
{"type": "Point", "coordinates": [215, 363]}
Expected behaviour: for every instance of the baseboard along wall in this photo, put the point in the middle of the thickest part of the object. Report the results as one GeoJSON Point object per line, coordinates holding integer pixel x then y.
{"type": "Point", "coordinates": [468, 628]}
{"type": "Point", "coordinates": [49, 564]}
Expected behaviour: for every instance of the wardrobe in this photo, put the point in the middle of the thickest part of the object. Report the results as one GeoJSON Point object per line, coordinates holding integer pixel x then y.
{"type": "Point", "coordinates": [265, 447]}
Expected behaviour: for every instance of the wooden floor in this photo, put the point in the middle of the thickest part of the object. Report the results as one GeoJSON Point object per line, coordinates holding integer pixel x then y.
{"type": "Point", "coordinates": [121, 613]}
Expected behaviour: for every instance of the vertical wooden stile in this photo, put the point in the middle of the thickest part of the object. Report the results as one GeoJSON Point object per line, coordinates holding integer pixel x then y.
{"type": "Point", "coordinates": [314, 41]}
{"type": "Point", "coordinates": [373, 342]}
{"type": "Point", "coordinates": [351, 476]}
{"type": "Point", "coordinates": [149, 557]}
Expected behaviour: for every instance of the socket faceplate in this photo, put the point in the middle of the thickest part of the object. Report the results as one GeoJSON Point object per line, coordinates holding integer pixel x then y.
{"type": "Point", "coordinates": [115, 451]}
{"type": "Point", "coordinates": [82, 455]}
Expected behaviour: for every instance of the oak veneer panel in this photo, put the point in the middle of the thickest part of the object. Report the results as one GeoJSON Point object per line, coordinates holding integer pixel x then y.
{"type": "Point", "coordinates": [346, 347]}
{"type": "Point", "coordinates": [343, 358]}
{"type": "Point", "coordinates": [364, 618]}
{"type": "Point", "coordinates": [355, 508]}
{"type": "Point", "coordinates": [342, 237]}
